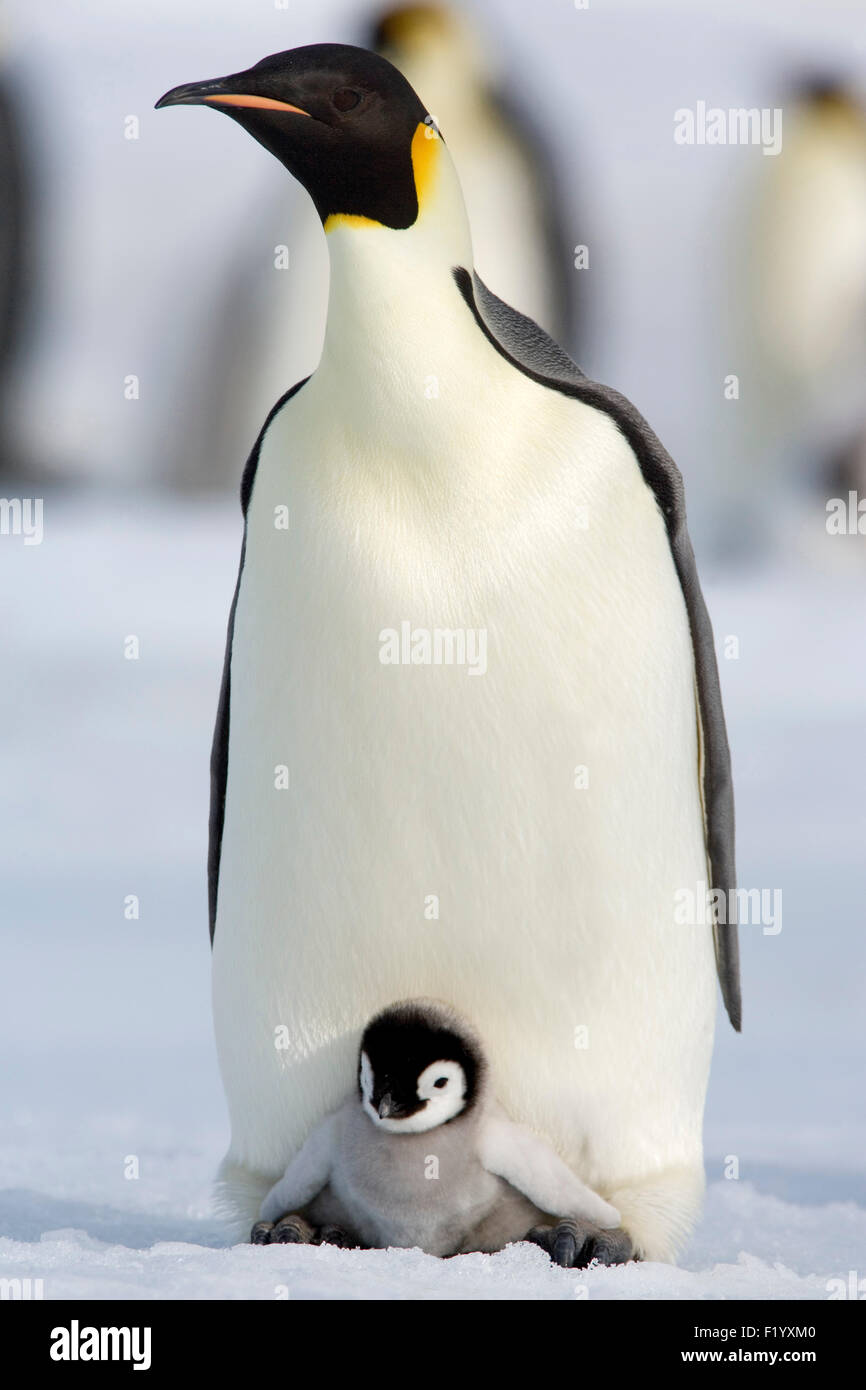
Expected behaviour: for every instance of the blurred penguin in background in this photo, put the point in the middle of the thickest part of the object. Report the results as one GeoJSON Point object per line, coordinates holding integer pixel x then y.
{"type": "Point", "coordinates": [15, 220]}
{"type": "Point", "coordinates": [805, 407]}
{"type": "Point", "coordinates": [523, 250]}
{"type": "Point", "coordinates": [276, 302]}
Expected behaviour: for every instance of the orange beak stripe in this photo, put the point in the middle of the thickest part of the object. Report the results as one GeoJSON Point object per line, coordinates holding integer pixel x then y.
{"type": "Point", "coordinates": [263, 103]}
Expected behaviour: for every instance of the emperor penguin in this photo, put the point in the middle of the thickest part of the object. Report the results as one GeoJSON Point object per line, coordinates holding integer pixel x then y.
{"type": "Point", "coordinates": [802, 320]}
{"type": "Point", "coordinates": [470, 741]}
{"type": "Point", "coordinates": [423, 1156]}
{"type": "Point", "coordinates": [16, 265]}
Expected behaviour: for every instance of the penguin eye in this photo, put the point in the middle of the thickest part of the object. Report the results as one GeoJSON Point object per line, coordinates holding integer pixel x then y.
{"type": "Point", "coordinates": [345, 98]}
{"type": "Point", "coordinates": [442, 1081]}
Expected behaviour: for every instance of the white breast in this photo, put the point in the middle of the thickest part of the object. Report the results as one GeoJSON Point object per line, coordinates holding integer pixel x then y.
{"type": "Point", "coordinates": [499, 507]}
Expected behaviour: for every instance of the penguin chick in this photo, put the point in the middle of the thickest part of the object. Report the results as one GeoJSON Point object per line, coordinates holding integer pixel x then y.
{"type": "Point", "coordinates": [422, 1155]}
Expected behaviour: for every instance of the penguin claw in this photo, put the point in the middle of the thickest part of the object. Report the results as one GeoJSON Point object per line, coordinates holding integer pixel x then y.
{"type": "Point", "coordinates": [575, 1244]}
{"type": "Point", "coordinates": [335, 1235]}
{"type": "Point", "coordinates": [563, 1243]}
{"type": "Point", "coordinates": [565, 1246]}
{"type": "Point", "coordinates": [289, 1230]}
{"type": "Point", "coordinates": [293, 1229]}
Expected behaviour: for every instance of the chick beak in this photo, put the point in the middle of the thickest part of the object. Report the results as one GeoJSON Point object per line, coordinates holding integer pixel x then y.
{"type": "Point", "coordinates": [386, 1106]}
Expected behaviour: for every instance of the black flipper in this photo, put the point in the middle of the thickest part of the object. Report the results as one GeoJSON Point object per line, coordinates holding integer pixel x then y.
{"type": "Point", "coordinates": [532, 352]}
{"type": "Point", "coordinates": [219, 757]}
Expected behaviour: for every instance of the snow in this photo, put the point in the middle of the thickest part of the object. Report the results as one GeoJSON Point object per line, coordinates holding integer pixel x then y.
{"type": "Point", "coordinates": [74, 1265]}
{"type": "Point", "coordinates": [103, 775]}
{"type": "Point", "coordinates": [180, 1254]}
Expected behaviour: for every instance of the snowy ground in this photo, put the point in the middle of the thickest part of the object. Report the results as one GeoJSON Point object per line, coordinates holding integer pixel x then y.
{"type": "Point", "coordinates": [104, 1021]}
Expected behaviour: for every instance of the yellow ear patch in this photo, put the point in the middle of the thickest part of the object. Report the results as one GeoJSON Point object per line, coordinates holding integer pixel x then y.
{"type": "Point", "coordinates": [425, 162]}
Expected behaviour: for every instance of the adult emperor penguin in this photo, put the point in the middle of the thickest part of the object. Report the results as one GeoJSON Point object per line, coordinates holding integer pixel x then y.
{"type": "Point", "coordinates": [16, 261]}
{"type": "Point", "coordinates": [470, 741]}
{"type": "Point", "coordinates": [802, 316]}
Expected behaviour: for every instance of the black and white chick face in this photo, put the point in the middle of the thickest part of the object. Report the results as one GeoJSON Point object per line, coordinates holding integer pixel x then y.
{"type": "Point", "coordinates": [418, 1069]}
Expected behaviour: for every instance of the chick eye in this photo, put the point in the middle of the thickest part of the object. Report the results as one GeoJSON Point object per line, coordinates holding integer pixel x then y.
{"type": "Point", "coordinates": [345, 98]}
{"type": "Point", "coordinates": [442, 1081]}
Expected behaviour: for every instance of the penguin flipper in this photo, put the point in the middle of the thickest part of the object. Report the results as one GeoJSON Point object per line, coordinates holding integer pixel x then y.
{"type": "Point", "coordinates": [219, 757]}
{"type": "Point", "coordinates": [306, 1174]}
{"type": "Point", "coordinates": [529, 349]}
{"type": "Point", "coordinates": [531, 1166]}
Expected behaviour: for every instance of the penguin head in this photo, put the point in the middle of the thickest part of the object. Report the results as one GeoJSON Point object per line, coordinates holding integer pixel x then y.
{"type": "Point", "coordinates": [342, 120]}
{"type": "Point", "coordinates": [420, 1066]}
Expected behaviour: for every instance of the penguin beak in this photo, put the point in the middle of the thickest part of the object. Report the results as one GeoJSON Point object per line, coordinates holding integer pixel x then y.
{"type": "Point", "coordinates": [231, 92]}
{"type": "Point", "coordinates": [386, 1106]}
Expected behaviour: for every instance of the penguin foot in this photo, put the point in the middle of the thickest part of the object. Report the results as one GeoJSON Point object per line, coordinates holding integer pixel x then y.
{"type": "Point", "coordinates": [293, 1229]}
{"type": "Point", "coordinates": [336, 1235]}
{"type": "Point", "coordinates": [289, 1230]}
{"type": "Point", "coordinates": [575, 1244]}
